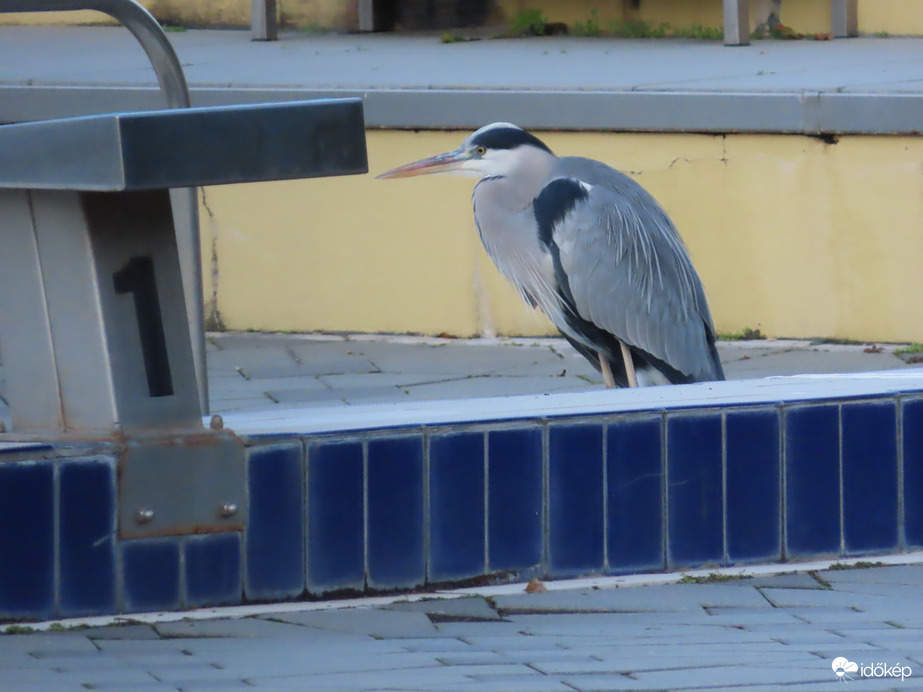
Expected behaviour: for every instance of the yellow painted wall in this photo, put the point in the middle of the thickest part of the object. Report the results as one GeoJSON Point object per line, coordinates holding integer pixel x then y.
{"type": "Point", "coordinates": [791, 235]}
{"type": "Point", "coordinates": [897, 17]}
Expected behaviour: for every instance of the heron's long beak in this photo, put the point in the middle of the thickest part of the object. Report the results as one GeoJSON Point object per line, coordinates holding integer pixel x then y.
{"type": "Point", "coordinates": [441, 163]}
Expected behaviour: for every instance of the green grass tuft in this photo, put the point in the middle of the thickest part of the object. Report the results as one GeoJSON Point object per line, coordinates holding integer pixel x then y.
{"type": "Point", "coordinates": [18, 629]}
{"type": "Point", "coordinates": [529, 23]}
{"type": "Point", "coordinates": [910, 348]}
{"type": "Point", "coordinates": [745, 334]}
{"type": "Point", "coordinates": [862, 564]}
{"type": "Point", "coordinates": [588, 28]}
{"type": "Point", "coordinates": [712, 578]}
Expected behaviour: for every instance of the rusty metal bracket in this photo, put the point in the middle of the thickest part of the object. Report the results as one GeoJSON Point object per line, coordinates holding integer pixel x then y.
{"type": "Point", "coordinates": [182, 484]}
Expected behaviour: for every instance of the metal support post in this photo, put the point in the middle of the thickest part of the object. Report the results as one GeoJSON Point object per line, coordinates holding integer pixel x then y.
{"type": "Point", "coordinates": [366, 11]}
{"type": "Point", "coordinates": [736, 23]}
{"type": "Point", "coordinates": [264, 23]}
{"type": "Point", "coordinates": [844, 18]}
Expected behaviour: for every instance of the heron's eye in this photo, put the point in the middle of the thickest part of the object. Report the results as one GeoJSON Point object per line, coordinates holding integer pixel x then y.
{"type": "Point", "coordinates": [480, 151]}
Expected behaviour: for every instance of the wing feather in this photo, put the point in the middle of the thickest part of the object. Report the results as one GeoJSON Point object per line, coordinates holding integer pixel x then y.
{"type": "Point", "coordinates": [628, 271]}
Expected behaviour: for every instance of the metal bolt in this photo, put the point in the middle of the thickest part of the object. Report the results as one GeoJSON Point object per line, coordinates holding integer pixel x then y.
{"type": "Point", "coordinates": [144, 516]}
{"type": "Point", "coordinates": [228, 509]}
{"type": "Point", "coordinates": [216, 423]}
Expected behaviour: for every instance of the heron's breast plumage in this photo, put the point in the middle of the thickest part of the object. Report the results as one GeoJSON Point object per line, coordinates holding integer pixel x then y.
{"type": "Point", "coordinates": [510, 237]}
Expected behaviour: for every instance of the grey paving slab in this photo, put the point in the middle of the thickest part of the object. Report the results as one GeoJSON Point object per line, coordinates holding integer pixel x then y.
{"type": "Point", "coordinates": [750, 616]}
{"type": "Point", "coordinates": [814, 361]}
{"type": "Point", "coordinates": [483, 386]}
{"type": "Point", "coordinates": [44, 645]}
{"type": "Point", "coordinates": [264, 356]}
{"type": "Point", "coordinates": [677, 627]}
{"type": "Point", "coordinates": [212, 685]}
{"type": "Point", "coordinates": [377, 623]}
{"type": "Point", "coordinates": [123, 633]}
{"type": "Point", "coordinates": [534, 683]}
{"type": "Point", "coordinates": [691, 656]}
{"type": "Point", "coordinates": [675, 597]}
{"type": "Point", "coordinates": [784, 598]}
{"type": "Point", "coordinates": [437, 645]}
{"type": "Point", "coordinates": [465, 359]}
{"type": "Point", "coordinates": [473, 608]}
{"type": "Point", "coordinates": [796, 580]}
{"type": "Point", "coordinates": [714, 677]}
{"type": "Point", "coordinates": [837, 686]}
{"type": "Point", "coordinates": [241, 628]}
{"type": "Point", "coordinates": [896, 591]}
{"type": "Point", "coordinates": [296, 395]}
{"type": "Point", "coordinates": [345, 663]}
{"type": "Point", "coordinates": [353, 381]}
{"type": "Point", "coordinates": [230, 341]}
{"type": "Point", "coordinates": [897, 574]}
{"type": "Point", "coordinates": [299, 381]}
{"type": "Point", "coordinates": [441, 677]}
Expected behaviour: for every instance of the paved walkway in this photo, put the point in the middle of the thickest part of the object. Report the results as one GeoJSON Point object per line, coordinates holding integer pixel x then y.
{"type": "Point", "coordinates": [109, 56]}
{"type": "Point", "coordinates": [249, 372]}
{"type": "Point", "coordinates": [864, 85]}
{"type": "Point", "coordinates": [760, 633]}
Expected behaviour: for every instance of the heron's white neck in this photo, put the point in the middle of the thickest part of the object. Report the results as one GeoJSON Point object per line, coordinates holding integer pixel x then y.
{"type": "Point", "coordinates": [506, 224]}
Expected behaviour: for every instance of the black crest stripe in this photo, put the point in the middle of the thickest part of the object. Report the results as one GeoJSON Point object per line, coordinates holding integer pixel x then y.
{"type": "Point", "coordinates": [507, 138]}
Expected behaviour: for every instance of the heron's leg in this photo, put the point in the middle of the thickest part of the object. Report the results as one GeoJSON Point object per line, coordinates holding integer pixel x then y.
{"type": "Point", "coordinates": [606, 370]}
{"type": "Point", "coordinates": [629, 365]}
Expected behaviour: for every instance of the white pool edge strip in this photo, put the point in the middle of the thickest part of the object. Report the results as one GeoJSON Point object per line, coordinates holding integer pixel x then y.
{"type": "Point", "coordinates": [631, 580]}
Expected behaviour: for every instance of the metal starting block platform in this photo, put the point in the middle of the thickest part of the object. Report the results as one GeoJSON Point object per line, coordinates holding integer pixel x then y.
{"type": "Point", "coordinates": [93, 323]}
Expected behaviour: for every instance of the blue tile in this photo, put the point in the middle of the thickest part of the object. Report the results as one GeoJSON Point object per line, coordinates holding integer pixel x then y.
{"type": "Point", "coordinates": [812, 480]}
{"type": "Point", "coordinates": [275, 521]}
{"type": "Point", "coordinates": [634, 471]}
{"type": "Point", "coordinates": [150, 574]}
{"type": "Point", "coordinates": [913, 471]}
{"type": "Point", "coordinates": [395, 512]}
{"type": "Point", "coordinates": [870, 520]}
{"type": "Point", "coordinates": [514, 489]}
{"type": "Point", "coordinates": [694, 492]}
{"type": "Point", "coordinates": [456, 472]}
{"type": "Point", "coordinates": [26, 539]}
{"type": "Point", "coordinates": [575, 499]}
{"type": "Point", "coordinates": [336, 518]}
{"type": "Point", "coordinates": [753, 484]}
{"type": "Point", "coordinates": [87, 536]}
{"type": "Point", "coordinates": [212, 568]}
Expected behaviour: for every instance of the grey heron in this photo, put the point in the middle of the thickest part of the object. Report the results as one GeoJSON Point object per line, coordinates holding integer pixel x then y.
{"type": "Point", "coordinates": [593, 250]}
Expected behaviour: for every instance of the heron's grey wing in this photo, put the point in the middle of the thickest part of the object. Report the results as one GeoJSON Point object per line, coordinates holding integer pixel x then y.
{"type": "Point", "coordinates": [628, 273]}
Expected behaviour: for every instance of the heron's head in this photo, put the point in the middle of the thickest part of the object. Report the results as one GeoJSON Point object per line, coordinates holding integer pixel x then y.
{"type": "Point", "coordinates": [494, 150]}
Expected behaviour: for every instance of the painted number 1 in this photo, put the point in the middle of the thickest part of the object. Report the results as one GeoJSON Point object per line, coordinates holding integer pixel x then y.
{"type": "Point", "coordinates": [137, 278]}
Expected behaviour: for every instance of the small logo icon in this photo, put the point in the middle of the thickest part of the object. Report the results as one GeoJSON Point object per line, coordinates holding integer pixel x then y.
{"type": "Point", "coordinates": [842, 667]}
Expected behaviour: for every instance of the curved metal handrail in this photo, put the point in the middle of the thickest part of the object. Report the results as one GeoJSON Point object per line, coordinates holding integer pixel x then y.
{"type": "Point", "coordinates": [140, 23]}
{"type": "Point", "coordinates": [165, 62]}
